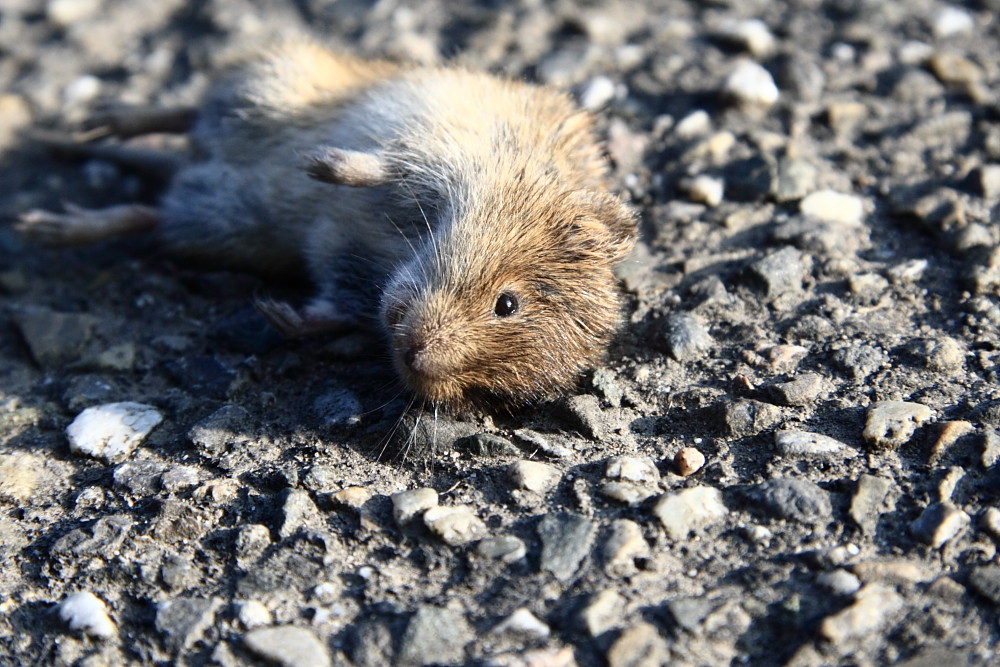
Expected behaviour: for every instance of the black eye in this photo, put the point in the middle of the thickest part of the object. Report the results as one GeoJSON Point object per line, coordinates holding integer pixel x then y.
{"type": "Point", "coordinates": [506, 305]}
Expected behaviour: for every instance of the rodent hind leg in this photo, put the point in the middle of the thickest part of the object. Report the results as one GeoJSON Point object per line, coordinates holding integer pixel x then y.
{"type": "Point", "coordinates": [319, 317]}
{"type": "Point", "coordinates": [127, 122]}
{"type": "Point", "coordinates": [79, 226]}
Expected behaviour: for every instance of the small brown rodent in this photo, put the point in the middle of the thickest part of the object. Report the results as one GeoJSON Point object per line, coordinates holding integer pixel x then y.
{"type": "Point", "coordinates": [466, 216]}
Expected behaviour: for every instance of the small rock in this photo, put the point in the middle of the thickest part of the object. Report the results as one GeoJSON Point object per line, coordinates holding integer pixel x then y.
{"type": "Point", "coordinates": [946, 487]}
{"type": "Point", "coordinates": [839, 582]}
{"type": "Point", "coordinates": [991, 521]}
{"type": "Point", "coordinates": [810, 445]}
{"type": "Point", "coordinates": [632, 469]}
{"type": "Point", "coordinates": [747, 417]}
{"type": "Point", "coordinates": [298, 511]}
{"type": "Point", "coordinates": [695, 124]}
{"type": "Point", "coordinates": [522, 622]}
{"type": "Point", "coordinates": [586, 416]}
{"type": "Point", "coordinates": [86, 612]}
{"type": "Point", "coordinates": [691, 509]}
{"type": "Point", "coordinates": [801, 391]}
{"type": "Point", "coordinates": [184, 620]}
{"type": "Point", "coordinates": [408, 505]}
{"type": "Point", "coordinates": [685, 336]}
{"type": "Point", "coordinates": [487, 444]}
{"type": "Point", "coordinates": [338, 407]}
{"type": "Point", "coordinates": [604, 612]}
{"type": "Point", "coordinates": [796, 179]}
{"type": "Point", "coordinates": [534, 476]}
{"type": "Point", "coordinates": [951, 432]}
{"type": "Point", "coordinates": [455, 524]}
{"type": "Point", "coordinates": [141, 478]}
{"type": "Point", "coordinates": [956, 70]}
{"type": "Point", "coordinates": [101, 539]}
{"type": "Point", "coordinates": [834, 207]}
{"type": "Point", "coordinates": [752, 34]}
{"type": "Point", "coordinates": [288, 646]}
{"type": "Point", "coordinates": [434, 635]}
{"type": "Point", "coordinates": [749, 179]}
{"type": "Point", "coordinates": [793, 499]}
{"type": "Point", "coordinates": [203, 375]}
{"type": "Point", "coordinates": [639, 646]}
{"type": "Point", "coordinates": [629, 493]}
{"type": "Point", "coordinates": [534, 442]}
{"type": "Point", "coordinates": [112, 431]}
{"type": "Point", "coordinates": [779, 273]}
{"type": "Point", "coordinates": [939, 523]}
{"type": "Point", "coordinates": [860, 361]}
{"type": "Point", "coordinates": [890, 424]}
{"type": "Point", "coordinates": [986, 180]}
{"type": "Point", "coordinates": [253, 614]}
{"type": "Point", "coordinates": [65, 13]}
{"type": "Point", "coordinates": [894, 571]}
{"type": "Point", "coordinates": [225, 429]}
{"type": "Point", "coordinates": [985, 580]}
{"type": "Point", "coordinates": [623, 546]}
{"type": "Point", "coordinates": [598, 92]}
{"type": "Point", "coordinates": [751, 85]}
{"type": "Point", "coordinates": [873, 606]}
{"type": "Point", "coordinates": [506, 548]}
{"type": "Point", "coordinates": [867, 503]}
{"type": "Point", "coordinates": [908, 272]}
{"type": "Point", "coordinates": [950, 21]}
{"type": "Point", "coordinates": [20, 474]}
{"type": "Point", "coordinates": [991, 448]}
{"type": "Point", "coordinates": [704, 189]}
{"type": "Point", "coordinates": [688, 461]}
{"type": "Point", "coordinates": [844, 116]}
{"type": "Point", "coordinates": [251, 540]}
{"type": "Point", "coordinates": [566, 541]}
{"type": "Point", "coordinates": [54, 338]}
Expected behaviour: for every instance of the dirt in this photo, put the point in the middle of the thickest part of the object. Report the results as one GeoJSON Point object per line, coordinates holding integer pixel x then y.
{"type": "Point", "coordinates": [824, 334]}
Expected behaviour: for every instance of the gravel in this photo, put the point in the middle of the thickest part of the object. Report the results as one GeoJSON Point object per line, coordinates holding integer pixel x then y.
{"type": "Point", "coordinates": [813, 310]}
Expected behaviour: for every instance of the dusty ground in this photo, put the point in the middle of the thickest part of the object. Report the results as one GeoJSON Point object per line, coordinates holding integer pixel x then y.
{"type": "Point", "coordinates": [764, 330]}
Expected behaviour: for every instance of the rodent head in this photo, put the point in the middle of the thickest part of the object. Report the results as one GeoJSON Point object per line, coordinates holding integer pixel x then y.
{"type": "Point", "coordinates": [509, 300]}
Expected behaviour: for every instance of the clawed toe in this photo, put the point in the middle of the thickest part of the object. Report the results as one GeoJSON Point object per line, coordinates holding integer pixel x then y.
{"type": "Point", "coordinates": [292, 323]}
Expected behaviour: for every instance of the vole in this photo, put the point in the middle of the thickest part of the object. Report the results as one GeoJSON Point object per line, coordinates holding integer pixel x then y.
{"type": "Point", "coordinates": [466, 216]}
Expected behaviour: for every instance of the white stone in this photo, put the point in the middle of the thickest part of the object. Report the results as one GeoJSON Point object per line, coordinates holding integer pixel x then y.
{"type": "Point", "coordinates": [407, 505]}
{"type": "Point", "coordinates": [523, 622]}
{"type": "Point", "coordinates": [82, 90]}
{"type": "Point", "coordinates": [112, 431]}
{"type": "Point", "coordinates": [949, 21]}
{"type": "Point", "coordinates": [805, 444]}
{"type": "Point", "coordinates": [598, 92]}
{"type": "Point", "coordinates": [752, 34]}
{"type": "Point", "coordinates": [455, 525]}
{"type": "Point", "coordinates": [749, 83]}
{"type": "Point", "coordinates": [695, 124]}
{"type": "Point", "coordinates": [684, 511]}
{"type": "Point", "coordinates": [914, 52]}
{"type": "Point", "coordinates": [533, 475]}
{"type": "Point", "coordinates": [833, 207]}
{"type": "Point", "coordinates": [87, 612]}
{"type": "Point", "coordinates": [253, 614]}
{"type": "Point", "coordinates": [706, 190]}
{"type": "Point", "coordinates": [65, 13]}
{"type": "Point", "coordinates": [632, 469]}
{"type": "Point", "coordinates": [872, 607]}
{"type": "Point", "coordinates": [839, 582]}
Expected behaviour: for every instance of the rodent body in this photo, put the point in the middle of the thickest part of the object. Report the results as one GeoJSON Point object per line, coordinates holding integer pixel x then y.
{"type": "Point", "coordinates": [466, 216]}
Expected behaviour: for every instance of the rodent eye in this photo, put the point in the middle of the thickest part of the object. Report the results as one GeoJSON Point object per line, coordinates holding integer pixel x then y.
{"type": "Point", "coordinates": [506, 305]}
{"type": "Point", "coordinates": [394, 314]}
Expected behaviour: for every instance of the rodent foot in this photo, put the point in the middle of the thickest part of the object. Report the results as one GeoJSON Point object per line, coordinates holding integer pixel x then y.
{"type": "Point", "coordinates": [293, 323]}
{"type": "Point", "coordinates": [78, 226]}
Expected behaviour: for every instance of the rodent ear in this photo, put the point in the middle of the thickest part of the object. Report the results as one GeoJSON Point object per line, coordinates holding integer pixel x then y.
{"type": "Point", "coordinates": [611, 220]}
{"type": "Point", "coordinates": [356, 169]}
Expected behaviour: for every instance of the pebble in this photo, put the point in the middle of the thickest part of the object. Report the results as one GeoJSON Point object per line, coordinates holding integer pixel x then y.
{"type": "Point", "coordinates": [184, 620]}
{"type": "Point", "coordinates": [65, 13]}
{"type": "Point", "coordinates": [750, 179]}
{"type": "Point", "coordinates": [704, 189]}
{"type": "Point", "coordinates": [946, 487]}
{"type": "Point", "coordinates": [939, 523]}
{"type": "Point", "coordinates": [793, 499]}
{"type": "Point", "coordinates": [835, 207]}
{"type": "Point", "coordinates": [112, 431]}
{"type": "Point", "coordinates": [408, 505]}
{"type": "Point", "coordinates": [685, 336]}
{"type": "Point", "coordinates": [597, 93]}
{"type": "Point", "coordinates": [839, 582]}
{"type": "Point", "coordinates": [991, 448]}
{"type": "Point", "coordinates": [752, 34]}
{"type": "Point", "coordinates": [640, 645]}
{"type": "Point", "coordinates": [338, 407]}
{"type": "Point", "coordinates": [751, 85]}
{"type": "Point", "coordinates": [868, 502]}
{"type": "Point", "coordinates": [860, 361]}
{"type": "Point", "coordinates": [688, 510]}
{"type": "Point", "coordinates": [20, 474]}
{"type": "Point", "coordinates": [534, 476]}
{"type": "Point", "coordinates": [288, 646]}
{"type": "Point", "coordinates": [872, 608]}
{"type": "Point", "coordinates": [603, 612]}
{"type": "Point", "coordinates": [522, 622]}
{"type": "Point", "coordinates": [890, 424]}
{"type": "Point", "coordinates": [624, 545]}
{"type": "Point", "coordinates": [54, 338]}
{"type": "Point", "coordinates": [941, 353]}
{"type": "Point", "coordinates": [86, 612]}
{"type": "Point", "coordinates": [985, 580]}
{"type": "Point", "coordinates": [632, 468]}
{"type": "Point", "coordinates": [953, 69]}
{"type": "Point", "coordinates": [894, 571]}
{"type": "Point", "coordinates": [950, 21]}
{"type": "Point", "coordinates": [804, 444]}
{"type": "Point", "coordinates": [951, 432]}
{"type": "Point", "coordinates": [101, 539]}
{"type": "Point", "coordinates": [796, 179]}
{"type": "Point", "coordinates": [991, 521]}
{"type": "Point", "coordinates": [298, 511]}
{"type": "Point", "coordinates": [586, 416]}
{"type": "Point", "coordinates": [908, 272]}
{"type": "Point", "coordinates": [505, 548]}
{"type": "Point", "coordinates": [434, 635]}
{"type": "Point", "coordinates": [253, 614]}
{"type": "Point", "coordinates": [986, 180]}
{"type": "Point", "coordinates": [566, 541]}
{"type": "Point", "coordinates": [534, 442]}
{"type": "Point", "coordinates": [747, 417]}
{"type": "Point", "coordinates": [696, 124]}
{"type": "Point", "coordinates": [487, 444]}
{"type": "Point", "coordinates": [800, 391]}
{"type": "Point", "coordinates": [455, 524]}
{"type": "Point", "coordinates": [227, 428]}
{"type": "Point", "coordinates": [779, 273]}
{"type": "Point", "coordinates": [688, 461]}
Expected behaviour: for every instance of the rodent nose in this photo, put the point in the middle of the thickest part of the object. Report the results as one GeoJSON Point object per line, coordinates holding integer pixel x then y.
{"type": "Point", "coordinates": [410, 357]}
